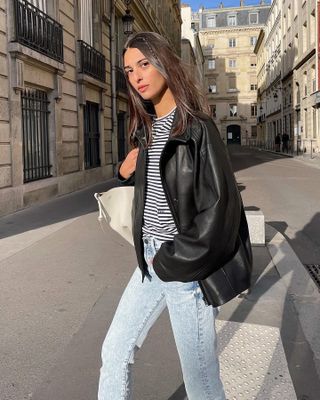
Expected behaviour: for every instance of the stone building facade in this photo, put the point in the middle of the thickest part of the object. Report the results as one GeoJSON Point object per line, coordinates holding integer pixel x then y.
{"type": "Point", "coordinates": [289, 96]}
{"type": "Point", "coordinates": [63, 101]}
{"type": "Point", "coordinates": [272, 107]}
{"type": "Point", "coordinates": [261, 83]}
{"type": "Point", "coordinates": [191, 49]}
{"type": "Point", "coordinates": [228, 36]}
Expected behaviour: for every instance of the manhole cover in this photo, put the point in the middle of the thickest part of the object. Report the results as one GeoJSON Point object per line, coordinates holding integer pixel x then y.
{"type": "Point", "coordinates": [314, 271]}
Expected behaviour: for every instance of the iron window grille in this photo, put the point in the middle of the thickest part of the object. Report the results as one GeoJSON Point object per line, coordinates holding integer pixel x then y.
{"type": "Point", "coordinates": [37, 30]}
{"type": "Point", "coordinates": [92, 62]}
{"type": "Point", "coordinates": [35, 131]}
{"type": "Point", "coordinates": [91, 135]}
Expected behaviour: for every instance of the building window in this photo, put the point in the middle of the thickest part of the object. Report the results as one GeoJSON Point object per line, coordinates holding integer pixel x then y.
{"type": "Point", "coordinates": [213, 109]}
{"type": "Point", "coordinates": [298, 93]}
{"type": "Point", "coordinates": [212, 63]}
{"type": "Point", "coordinates": [253, 110]}
{"type": "Point", "coordinates": [35, 131]}
{"type": "Point", "coordinates": [232, 84]}
{"type": "Point", "coordinates": [90, 25]}
{"type": "Point", "coordinates": [232, 63]}
{"type": "Point", "coordinates": [253, 40]}
{"type": "Point", "coordinates": [119, 41]}
{"type": "Point", "coordinates": [305, 83]}
{"type": "Point", "coordinates": [233, 110]}
{"type": "Point", "coordinates": [305, 122]}
{"type": "Point", "coordinates": [232, 42]}
{"type": "Point", "coordinates": [232, 20]}
{"type": "Point", "coordinates": [314, 123]}
{"type": "Point", "coordinates": [254, 131]}
{"type": "Point", "coordinates": [304, 36]}
{"type": "Point", "coordinates": [35, 29]}
{"type": "Point", "coordinates": [211, 22]}
{"type": "Point", "coordinates": [313, 79]}
{"type": "Point", "coordinates": [91, 135]}
{"type": "Point", "coordinates": [41, 4]}
{"type": "Point", "coordinates": [253, 86]}
{"type": "Point", "coordinates": [253, 18]}
{"type": "Point", "coordinates": [212, 88]}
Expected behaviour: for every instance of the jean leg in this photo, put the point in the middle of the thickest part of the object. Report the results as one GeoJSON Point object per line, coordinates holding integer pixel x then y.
{"type": "Point", "coordinates": [193, 325]}
{"type": "Point", "coordinates": [140, 306]}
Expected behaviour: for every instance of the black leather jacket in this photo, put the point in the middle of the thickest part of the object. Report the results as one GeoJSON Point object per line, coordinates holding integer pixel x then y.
{"type": "Point", "coordinates": [206, 206]}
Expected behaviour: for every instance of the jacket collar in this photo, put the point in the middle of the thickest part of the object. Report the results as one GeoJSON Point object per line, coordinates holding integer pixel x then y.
{"type": "Point", "coordinates": [193, 124]}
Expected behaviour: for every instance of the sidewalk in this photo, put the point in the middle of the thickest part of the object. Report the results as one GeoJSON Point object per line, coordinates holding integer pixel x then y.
{"type": "Point", "coordinates": [61, 278]}
{"type": "Point", "coordinates": [305, 158]}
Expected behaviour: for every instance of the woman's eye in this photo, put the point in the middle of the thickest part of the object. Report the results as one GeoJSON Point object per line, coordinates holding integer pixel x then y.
{"type": "Point", "coordinates": [145, 64]}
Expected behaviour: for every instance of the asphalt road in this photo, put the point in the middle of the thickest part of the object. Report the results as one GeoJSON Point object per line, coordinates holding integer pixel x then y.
{"type": "Point", "coordinates": [288, 193]}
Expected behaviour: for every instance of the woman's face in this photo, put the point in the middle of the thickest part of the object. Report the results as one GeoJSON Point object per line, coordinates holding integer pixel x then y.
{"type": "Point", "coordinates": [143, 76]}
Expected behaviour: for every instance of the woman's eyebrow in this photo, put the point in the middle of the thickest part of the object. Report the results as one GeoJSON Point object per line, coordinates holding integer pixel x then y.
{"type": "Point", "coordinates": [138, 62]}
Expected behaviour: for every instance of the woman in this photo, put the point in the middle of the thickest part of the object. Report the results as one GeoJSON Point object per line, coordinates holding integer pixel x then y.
{"type": "Point", "coordinates": [188, 224]}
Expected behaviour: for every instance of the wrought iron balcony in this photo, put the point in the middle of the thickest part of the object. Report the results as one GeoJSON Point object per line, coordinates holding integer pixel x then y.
{"type": "Point", "coordinates": [121, 83]}
{"type": "Point", "coordinates": [35, 29]}
{"type": "Point", "coordinates": [92, 62]}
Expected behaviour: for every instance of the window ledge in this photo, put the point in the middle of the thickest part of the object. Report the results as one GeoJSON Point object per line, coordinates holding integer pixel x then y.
{"type": "Point", "coordinates": [25, 53]}
{"type": "Point", "coordinates": [84, 78]}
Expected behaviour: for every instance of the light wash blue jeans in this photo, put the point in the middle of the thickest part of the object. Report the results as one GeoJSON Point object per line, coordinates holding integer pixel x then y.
{"type": "Point", "coordinates": [193, 325]}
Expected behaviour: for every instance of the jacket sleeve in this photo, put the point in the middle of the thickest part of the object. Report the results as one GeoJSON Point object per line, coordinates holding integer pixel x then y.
{"type": "Point", "coordinates": [211, 238]}
{"type": "Point", "coordinates": [121, 180]}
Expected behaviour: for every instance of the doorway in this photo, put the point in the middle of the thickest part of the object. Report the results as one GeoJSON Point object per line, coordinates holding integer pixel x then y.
{"type": "Point", "coordinates": [233, 134]}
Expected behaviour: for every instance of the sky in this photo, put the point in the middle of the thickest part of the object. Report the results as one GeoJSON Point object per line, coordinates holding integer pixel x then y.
{"type": "Point", "coordinates": [196, 4]}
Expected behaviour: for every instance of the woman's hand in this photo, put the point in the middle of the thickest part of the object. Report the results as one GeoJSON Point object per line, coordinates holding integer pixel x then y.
{"type": "Point", "coordinates": [129, 164]}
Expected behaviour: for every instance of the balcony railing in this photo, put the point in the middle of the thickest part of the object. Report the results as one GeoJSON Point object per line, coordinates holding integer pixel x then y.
{"type": "Point", "coordinates": [92, 62]}
{"type": "Point", "coordinates": [35, 29]}
{"type": "Point", "coordinates": [121, 83]}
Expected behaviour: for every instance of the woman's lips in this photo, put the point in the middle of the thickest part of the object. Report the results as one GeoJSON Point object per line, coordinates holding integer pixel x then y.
{"type": "Point", "coordinates": [143, 88]}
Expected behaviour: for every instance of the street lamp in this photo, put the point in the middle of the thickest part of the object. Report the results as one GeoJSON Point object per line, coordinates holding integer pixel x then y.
{"type": "Point", "coordinates": [127, 20]}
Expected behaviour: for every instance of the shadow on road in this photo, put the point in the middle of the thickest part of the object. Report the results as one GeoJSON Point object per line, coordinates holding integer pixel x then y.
{"type": "Point", "coordinates": [59, 209]}
{"type": "Point", "coordinates": [243, 157]}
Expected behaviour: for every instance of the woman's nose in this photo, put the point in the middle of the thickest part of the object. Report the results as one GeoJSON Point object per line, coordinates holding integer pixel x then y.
{"type": "Point", "coordinates": [137, 76]}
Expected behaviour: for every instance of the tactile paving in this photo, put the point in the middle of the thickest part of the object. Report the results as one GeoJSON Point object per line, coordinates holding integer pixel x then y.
{"type": "Point", "coordinates": [253, 363]}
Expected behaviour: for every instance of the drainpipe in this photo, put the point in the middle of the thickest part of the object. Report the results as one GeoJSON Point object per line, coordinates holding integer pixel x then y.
{"type": "Point", "coordinates": [114, 133]}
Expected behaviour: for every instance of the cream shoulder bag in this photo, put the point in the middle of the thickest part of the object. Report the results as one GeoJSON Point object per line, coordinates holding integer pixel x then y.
{"type": "Point", "coordinates": [115, 206]}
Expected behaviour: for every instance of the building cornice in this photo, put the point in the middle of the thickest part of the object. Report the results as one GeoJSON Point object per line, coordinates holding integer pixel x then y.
{"type": "Point", "coordinates": [246, 28]}
{"type": "Point", "coordinates": [274, 82]}
{"type": "Point", "coordinates": [259, 41]}
{"type": "Point", "coordinates": [277, 24]}
{"type": "Point", "coordinates": [305, 59]}
{"type": "Point", "coordinates": [233, 9]}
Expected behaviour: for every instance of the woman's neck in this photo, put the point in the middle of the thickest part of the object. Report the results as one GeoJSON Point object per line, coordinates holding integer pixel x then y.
{"type": "Point", "coordinates": [165, 104]}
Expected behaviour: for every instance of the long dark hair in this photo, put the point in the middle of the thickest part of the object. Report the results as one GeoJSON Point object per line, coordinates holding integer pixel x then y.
{"type": "Point", "coordinates": [188, 97]}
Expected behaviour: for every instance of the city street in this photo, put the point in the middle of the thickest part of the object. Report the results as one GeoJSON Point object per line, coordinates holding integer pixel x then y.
{"type": "Point", "coordinates": [287, 191]}
{"type": "Point", "coordinates": [61, 277]}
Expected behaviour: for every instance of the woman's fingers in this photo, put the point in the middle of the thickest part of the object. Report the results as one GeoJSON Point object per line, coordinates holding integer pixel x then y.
{"type": "Point", "coordinates": [129, 164]}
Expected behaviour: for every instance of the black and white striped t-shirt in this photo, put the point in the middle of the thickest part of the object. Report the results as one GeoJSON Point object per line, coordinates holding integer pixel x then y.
{"type": "Point", "coordinates": [157, 218]}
